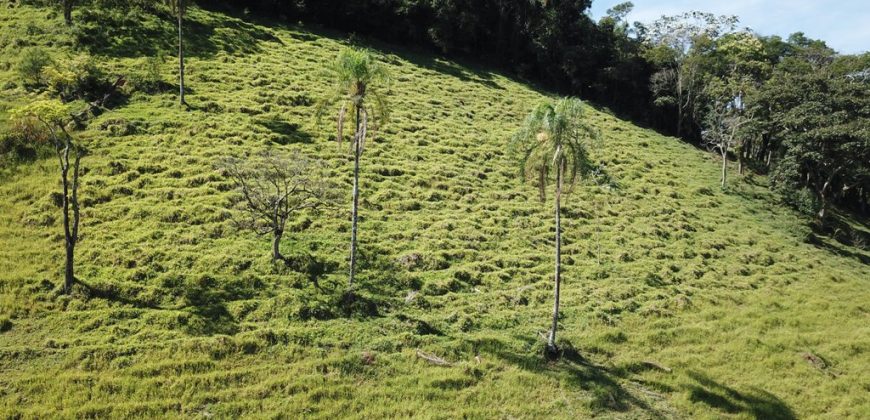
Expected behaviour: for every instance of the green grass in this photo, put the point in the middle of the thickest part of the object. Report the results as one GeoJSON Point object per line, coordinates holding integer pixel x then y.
{"type": "Point", "coordinates": [186, 316]}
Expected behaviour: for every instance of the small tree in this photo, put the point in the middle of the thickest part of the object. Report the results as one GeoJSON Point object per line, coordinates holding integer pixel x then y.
{"type": "Point", "coordinates": [55, 116]}
{"type": "Point", "coordinates": [555, 138]}
{"type": "Point", "coordinates": [726, 123]}
{"type": "Point", "coordinates": [356, 76]}
{"type": "Point", "coordinates": [274, 189]}
{"type": "Point", "coordinates": [179, 9]}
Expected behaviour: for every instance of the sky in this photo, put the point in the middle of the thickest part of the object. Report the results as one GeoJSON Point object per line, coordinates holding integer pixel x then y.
{"type": "Point", "coordinates": [844, 25]}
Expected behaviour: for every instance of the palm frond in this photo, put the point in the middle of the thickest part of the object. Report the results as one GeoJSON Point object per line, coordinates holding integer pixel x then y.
{"type": "Point", "coordinates": [554, 135]}
{"type": "Point", "coordinates": [358, 79]}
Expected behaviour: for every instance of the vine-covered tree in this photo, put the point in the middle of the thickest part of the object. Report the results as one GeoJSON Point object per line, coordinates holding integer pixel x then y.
{"type": "Point", "coordinates": [358, 84]}
{"type": "Point", "coordinates": [55, 116]}
{"type": "Point", "coordinates": [554, 142]}
{"type": "Point", "coordinates": [274, 189]}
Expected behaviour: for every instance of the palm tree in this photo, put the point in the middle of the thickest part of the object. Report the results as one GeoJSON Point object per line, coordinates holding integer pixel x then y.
{"type": "Point", "coordinates": [356, 77]}
{"type": "Point", "coordinates": [554, 138]}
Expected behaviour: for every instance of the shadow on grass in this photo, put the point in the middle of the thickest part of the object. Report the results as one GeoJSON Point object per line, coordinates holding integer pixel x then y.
{"type": "Point", "coordinates": [464, 74]}
{"type": "Point", "coordinates": [202, 298]}
{"type": "Point", "coordinates": [757, 403]}
{"type": "Point", "coordinates": [288, 133]}
{"type": "Point", "coordinates": [122, 33]}
{"type": "Point", "coordinates": [608, 395]}
{"type": "Point", "coordinates": [842, 251]}
{"type": "Point", "coordinates": [846, 230]}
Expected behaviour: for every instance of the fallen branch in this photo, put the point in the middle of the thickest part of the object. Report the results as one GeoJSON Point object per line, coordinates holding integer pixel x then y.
{"type": "Point", "coordinates": [433, 359]}
{"type": "Point", "coordinates": [655, 365]}
{"type": "Point", "coordinates": [94, 105]}
{"type": "Point", "coordinates": [819, 363]}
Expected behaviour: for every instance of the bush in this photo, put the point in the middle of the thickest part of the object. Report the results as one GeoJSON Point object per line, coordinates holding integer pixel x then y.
{"type": "Point", "coordinates": [76, 78]}
{"type": "Point", "coordinates": [31, 66]}
{"type": "Point", "coordinates": [26, 139]}
{"type": "Point", "coordinates": [146, 78]}
{"type": "Point", "coordinates": [5, 324]}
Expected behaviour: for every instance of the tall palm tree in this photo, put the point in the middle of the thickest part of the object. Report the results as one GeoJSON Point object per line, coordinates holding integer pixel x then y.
{"type": "Point", "coordinates": [358, 80]}
{"type": "Point", "coordinates": [555, 139]}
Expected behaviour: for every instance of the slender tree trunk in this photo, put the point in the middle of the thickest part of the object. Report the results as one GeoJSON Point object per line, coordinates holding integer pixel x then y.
{"type": "Point", "coordinates": [824, 207]}
{"type": "Point", "coordinates": [69, 276]}
{"type": "Point", "coordinates": [724, 166]}
{"type": "Point", "coordinates": [67, 12]}
{"type": "Point", "coordinates": [355, 206]}
{"type": "Point", "coordinates": [679, 103]}
{"type": "Point", "coordinates": [276, 244]}
{"type": "Point", "coordinates": [551, 340]}
{"type": "Point", "coordinates": [69, 244]}
{"type": "Point", "coordinates": [180, 61]}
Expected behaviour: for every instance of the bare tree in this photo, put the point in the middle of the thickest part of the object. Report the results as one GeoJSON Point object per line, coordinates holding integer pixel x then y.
{"type": "Point", "coordinates": [724, 131]}
{"type": "Point", "coordinates": [55, 116]}
{"type": "Point", "coordinates": [673, 42]}
{"type": "Point", "coordinates": [274, 189]}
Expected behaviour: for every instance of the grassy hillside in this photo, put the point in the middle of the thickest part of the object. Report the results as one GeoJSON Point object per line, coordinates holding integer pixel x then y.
{"type": "Point", "coordinates": [680, 300]}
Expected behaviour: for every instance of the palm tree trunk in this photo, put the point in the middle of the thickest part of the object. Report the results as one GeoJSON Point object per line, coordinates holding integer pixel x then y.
{"type": "Point", "coordinates": [551, 340]}
{"type": "Point", "coordinates": [355, 206]}
{"type": "Point", "coordinates": [180, 61]}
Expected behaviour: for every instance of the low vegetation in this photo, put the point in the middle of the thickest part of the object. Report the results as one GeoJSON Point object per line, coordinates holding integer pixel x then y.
{"type": "Point", "coordinates": [678, 298]}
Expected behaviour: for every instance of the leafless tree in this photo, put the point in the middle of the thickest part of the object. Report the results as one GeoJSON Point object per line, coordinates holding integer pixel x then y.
{"type": "Point", "coordinates": [275, 188]}
{"type": "Point", "coordinates": [725, 130]}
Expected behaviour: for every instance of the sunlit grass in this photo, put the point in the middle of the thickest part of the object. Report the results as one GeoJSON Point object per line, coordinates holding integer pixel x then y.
{"type": "Point", "coordinates": [185, 315]}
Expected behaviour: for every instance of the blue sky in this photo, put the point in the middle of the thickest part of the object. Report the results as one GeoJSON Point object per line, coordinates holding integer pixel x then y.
{"type": "Point", "coordinates": [844, 25]}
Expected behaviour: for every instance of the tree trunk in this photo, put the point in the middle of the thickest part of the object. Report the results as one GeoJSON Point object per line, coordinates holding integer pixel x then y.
{"type": "Point", "coordinates": [551, 340]}
{"type": "Point", "coordinates": [724, 166]}
{"type": "Point", "coordinates": [679, 103]}
{"type": "Point", "coordinates": [69, 276]}
{"type": "Point", "coordinates": [824, 207]}
{"type": "Point", "coordinates": [69, 245]}
{"type": "Point", "coordinates": [180, 61]}
{"type": "Point", "coordinates": [355, 206]}
{"type": "Point", "coordinates": [67, 12]}
{"type": "Point", "coordinates": [276, 243]}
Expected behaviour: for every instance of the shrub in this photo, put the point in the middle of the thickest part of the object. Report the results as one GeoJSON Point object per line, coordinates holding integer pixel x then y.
{"type": "Point", "coordinates": [74, 78]}
{"type": "Point", "coordinates": [26, 139]}
{"type": "Point", "coordinates": [5, 324]}
{"type": "Point", "coordinates": [31, 66]}
{"type": "Point", "coordinates": [146, 78]}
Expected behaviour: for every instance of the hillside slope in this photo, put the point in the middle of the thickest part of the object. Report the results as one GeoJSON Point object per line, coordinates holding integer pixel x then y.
{"type": "Point", "coordinates": [681, 300]}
